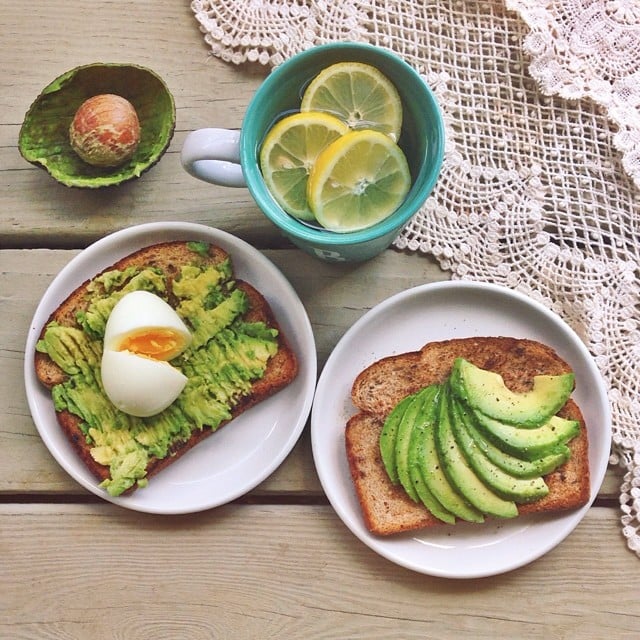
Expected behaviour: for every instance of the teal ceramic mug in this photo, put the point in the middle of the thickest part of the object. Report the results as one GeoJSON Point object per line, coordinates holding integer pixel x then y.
{"type": "Point", "coordinates": [231, 157]}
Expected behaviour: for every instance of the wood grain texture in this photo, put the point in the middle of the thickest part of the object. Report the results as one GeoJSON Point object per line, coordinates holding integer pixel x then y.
{"type": "Point", "coordinates": [278, 563]}
{"type": "Point", "coordinates": [163, 36]}
{"type": "Point", "coordinates": [247, 572]}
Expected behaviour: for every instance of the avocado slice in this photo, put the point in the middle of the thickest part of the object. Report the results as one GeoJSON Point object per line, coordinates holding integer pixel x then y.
{"type": "Point", "coordinates": [528, 444]}
{"type": "Point", "coordinates": [426, 419]}
{"type": "Point", "coordinates": [460, 473]}
{"type": "Point", "coordinates": [514, 465]}
{"type": "Point", "coordinates": [436, 480]}
{"type": "Point", "coordinates": [486, 392]}
{"type": "Point", "coordinates": [388, 438]}
{"type": "Point", "coordinates": [506, 486]}
{"type": "Point", "coordinates": [403, 441]}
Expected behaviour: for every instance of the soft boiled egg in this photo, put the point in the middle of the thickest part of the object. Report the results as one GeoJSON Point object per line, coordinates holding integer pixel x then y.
{"type": "Point", "coordinates": [140, 386]}
{"type": "Point", "coordinates": [143, 323]}
{"type": "Point", "coordinates": [142, 333]}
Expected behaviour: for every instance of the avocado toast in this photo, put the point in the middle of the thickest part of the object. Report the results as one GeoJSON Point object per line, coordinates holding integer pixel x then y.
{"type": "Point", "coordinates": [382, 389]}
{"type": "Point", "coordinates": [238, 358]}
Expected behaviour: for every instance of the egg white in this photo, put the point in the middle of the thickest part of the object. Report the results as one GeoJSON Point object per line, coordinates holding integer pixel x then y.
{"type": "Point", "coordinates": [140, 386]}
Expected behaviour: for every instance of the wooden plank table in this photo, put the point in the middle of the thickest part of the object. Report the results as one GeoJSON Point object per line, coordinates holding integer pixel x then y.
{"type": "Point", "coordinates": [277, 563]}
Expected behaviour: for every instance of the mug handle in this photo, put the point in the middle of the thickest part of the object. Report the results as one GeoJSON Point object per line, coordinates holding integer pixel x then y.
{"type": "Point", "coordinates": [213, 155]}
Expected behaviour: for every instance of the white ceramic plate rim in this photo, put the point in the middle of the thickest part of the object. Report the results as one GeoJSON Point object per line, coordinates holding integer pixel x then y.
{"type": "Point", "coordinates": [224, 466]}
{"type": "Point", "coordinates": [405, 322]}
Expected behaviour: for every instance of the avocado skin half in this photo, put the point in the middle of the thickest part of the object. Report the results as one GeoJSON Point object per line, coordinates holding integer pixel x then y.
{"type": "Point", "coordinates": [44, 135]}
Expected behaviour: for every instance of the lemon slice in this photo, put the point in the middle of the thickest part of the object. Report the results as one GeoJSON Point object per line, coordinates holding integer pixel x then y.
{"type": "Point", "coordinates": [357, 181]}
{"type": "Point", "coordinates": [357, 93]}
{"type": "Point", "coordinates": [288, 154]}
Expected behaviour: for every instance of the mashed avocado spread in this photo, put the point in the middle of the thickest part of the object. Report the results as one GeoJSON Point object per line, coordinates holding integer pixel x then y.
{"type": "Point", "coordinates": [225, 357]}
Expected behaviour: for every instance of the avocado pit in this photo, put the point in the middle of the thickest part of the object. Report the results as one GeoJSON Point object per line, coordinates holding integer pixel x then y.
{"type": "Point", "coordinates": [105, 131]}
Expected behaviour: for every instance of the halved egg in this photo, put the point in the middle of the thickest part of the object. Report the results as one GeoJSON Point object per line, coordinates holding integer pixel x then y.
{"type": "Point", "coordinates": [140, 386]}
{"type": "Point", "coordinates": [142, 322]}
{"type": "Point", "coordinates": [142, 333]}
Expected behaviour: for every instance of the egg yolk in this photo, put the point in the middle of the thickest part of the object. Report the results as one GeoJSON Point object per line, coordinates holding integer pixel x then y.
{"type": "Point", "coordinates": [159, 344]}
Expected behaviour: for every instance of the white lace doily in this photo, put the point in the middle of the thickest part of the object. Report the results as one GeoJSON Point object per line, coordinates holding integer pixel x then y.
{"type": "Point", "coordinates": [542, 106]}
{"type": "Point", "coordinates": [587, 48]}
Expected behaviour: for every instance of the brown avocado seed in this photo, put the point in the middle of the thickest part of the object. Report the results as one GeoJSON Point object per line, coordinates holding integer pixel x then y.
{"type": "Point", "coordinates": [105, 131]}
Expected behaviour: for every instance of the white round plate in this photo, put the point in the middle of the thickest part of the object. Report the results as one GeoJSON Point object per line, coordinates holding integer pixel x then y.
{"type": "Point", "coordinates": [405, 322]}
{"type": "Point", "coordinates": [242, 454]}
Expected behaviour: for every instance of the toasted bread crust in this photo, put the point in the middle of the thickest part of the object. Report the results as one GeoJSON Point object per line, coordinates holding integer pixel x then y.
{"type": "Point", "coordinates": [382, 385]}
{"type": "Point", "coordinates": [386, 508]}
{"type": "Point", "coordinates": [376, 390]}
{"type": "Point", "coordinates": [281, 369]}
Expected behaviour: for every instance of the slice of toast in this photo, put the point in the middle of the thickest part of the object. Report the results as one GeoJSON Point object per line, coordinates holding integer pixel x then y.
{"type": "Point", "coordinates": [386, 508]}
{"type": "Point", "coordinates": [169, 257]}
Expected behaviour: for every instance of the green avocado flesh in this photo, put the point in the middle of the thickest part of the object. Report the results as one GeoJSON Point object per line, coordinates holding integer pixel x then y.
{"type": "Point", "coordinates": [435, 492]}
{"type": "Point", "coordinates": [463, 464]}
{"type": "Point", "coordinates": [225, 357]}
{"type": "Point", "coordinates": [486, 392]}
{"type": "Point", "coordinates": [460, 472]}
{"type": "Point", "coordinates": [388, 438]}
{"type": "Point", "coordinates": [44, 135]}
{"type": "Point", "coordinates": [502, 483]}
{"type": "Point", "coordinates": [437, 480]}
{"type": "Point", "coordinates": [403, 442]}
